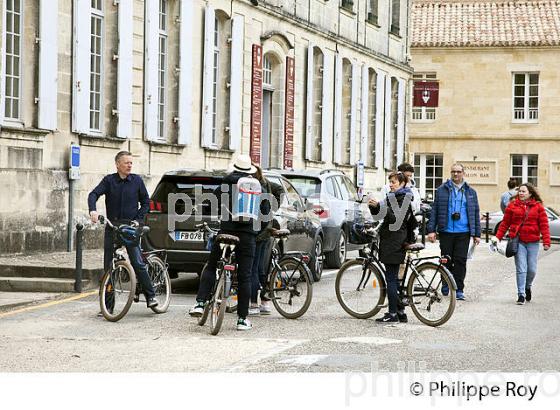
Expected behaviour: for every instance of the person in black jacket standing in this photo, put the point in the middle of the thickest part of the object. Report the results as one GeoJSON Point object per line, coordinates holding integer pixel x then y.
{"type": "Point", "coordinates": [244, 251]}
{"type": "Point", "coordinates": [392, 239]}
{"type": "Point", "coordinates": [123, 192]}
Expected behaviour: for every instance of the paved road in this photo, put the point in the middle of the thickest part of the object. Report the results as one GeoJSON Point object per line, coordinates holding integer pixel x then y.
{"type": "Point", "coordinates": [487, 332]}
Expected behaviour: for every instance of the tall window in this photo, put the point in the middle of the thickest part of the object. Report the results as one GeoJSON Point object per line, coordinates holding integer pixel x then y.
{"type": "Point", "coordinates": [346, 109]}
{"type": "Point", "coordinates": [372, 107]}
{"type": "Point", "coordinates": [424, 113]}
{"type": "Point", "coordinates": [525, 97]}
{"type": "Point", "coordinates": [347, 4]}
{"type": "Point", "coordinates": [12, 66]}
{"type": "Point", "coordinates": [216, 69]}
{"type": "Point", "coordinates": [395, 16]}
{"type": "Point", "coordinates": [318, 67]}
{"type": "Point", "coordinates": [373, 11]}
{"type": "Point", "coordinates": [525, 168]}
{"type": "Point", "coordinates": [96, 69]}
{"type": "Point", "coordinates": [428, 174]}
{"type": "Point", "coordinates": [162, 67]}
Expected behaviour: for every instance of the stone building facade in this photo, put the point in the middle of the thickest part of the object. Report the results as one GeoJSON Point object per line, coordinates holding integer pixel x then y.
{"type": "Point", "coordinates": [189, 84]}
{"type": "Point", "coordinates": [498, 113]}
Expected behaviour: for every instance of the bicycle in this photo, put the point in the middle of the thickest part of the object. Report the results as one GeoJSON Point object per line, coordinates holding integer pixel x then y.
{"type": "Point", "coordinates": [361, 287]}
{"type": "Point", "coordinates": [221, 291]}
{"type": "Point", "coordinates": [290, 279]}
{"type": "Point", "coordinates": [119, 286]}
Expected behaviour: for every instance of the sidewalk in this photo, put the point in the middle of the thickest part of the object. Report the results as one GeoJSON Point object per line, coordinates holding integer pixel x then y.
{"type": "Point", "coordinates": [50, 273]}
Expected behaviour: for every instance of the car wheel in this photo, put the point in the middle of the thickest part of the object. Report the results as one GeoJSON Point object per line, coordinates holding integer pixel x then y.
{"type": "Point", "coordinates": [317, 261]}
{"type": "Point", "coordinates": [337, 256]}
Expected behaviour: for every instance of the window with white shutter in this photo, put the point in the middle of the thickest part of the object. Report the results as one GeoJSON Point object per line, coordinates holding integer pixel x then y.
{"type": "Point", "coordinates": [162, 69]}
{"type": "Point", "coordinates": [13, 28]}
{"type": "Point", "coordinates": [96, 67]}
{"type": "Point", "coordinates": [124, 69]}
{"type": "Point", "coordinates": [48, 64]}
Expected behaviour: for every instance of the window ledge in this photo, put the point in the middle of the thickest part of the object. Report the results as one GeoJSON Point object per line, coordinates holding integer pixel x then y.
{"type": "Point", "coordinates": [529, 122]}
{"type": "Point", "coordinates": [373, 24]}
{"type": "Point", "coordinates": [346, 10]}
{"type": "Point", "coordinates": [395, 35]}
{"type": "Point", "coordinates": [422, 121]}
{"type": "Point", "coordinates": [102, 142]}
{"type": "Point", "coordinates": [29, 134]}
{"type": "Point", "coordinates": [166, 147]}
{"type": "Point", "coordinates": [314, 162]}
{"type": "Point", "coordinates": [223, 153]}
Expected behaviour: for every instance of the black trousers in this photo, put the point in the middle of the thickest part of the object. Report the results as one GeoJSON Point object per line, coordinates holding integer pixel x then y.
{"type": "Point", "coordinates": [456, 245]}
{"type": "Point", "coordinates": [244, 254]}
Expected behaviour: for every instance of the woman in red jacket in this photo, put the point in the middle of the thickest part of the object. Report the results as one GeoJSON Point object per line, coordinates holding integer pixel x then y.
{"type": "Point", "coordinates": [526, 216]}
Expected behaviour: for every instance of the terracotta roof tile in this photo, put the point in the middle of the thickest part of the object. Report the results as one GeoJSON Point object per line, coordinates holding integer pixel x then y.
{"type": "Point", "coordinates": [473, 23]}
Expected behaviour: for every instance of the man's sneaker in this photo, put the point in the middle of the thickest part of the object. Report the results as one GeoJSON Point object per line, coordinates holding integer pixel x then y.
{"type": "Point", "coordinates": [402, 317]}
{"type": "Point", "coordinates": [254, 310]}
{"type": "Point", "coordinates": [388, 318]}
{"type": "Point", "coordinates": [265, 308]}
{"type": "Point", "coordinates": [152, 302]}
{"type": "Point", "coordinates": [244, 324]}
{"type": "Point", "coordinates": [528, 294]}
{"type": "Point", "coordinates": [197, 310]}
{"type": "Point", "coordinates": [521, 300]}
{"type": "Point", "coordinates": [460, 295]}
{"type": "Point", "coordinates": [444, 289]}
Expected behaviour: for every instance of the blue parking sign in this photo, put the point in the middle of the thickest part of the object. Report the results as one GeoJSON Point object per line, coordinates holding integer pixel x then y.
{"type": "Point", "coordinates": [75, 157]}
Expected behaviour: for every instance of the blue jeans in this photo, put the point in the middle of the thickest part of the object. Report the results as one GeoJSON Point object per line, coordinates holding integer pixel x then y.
{"type": "Point", "coordinates": [392, 278]}
{"type": "Point", "coordinates": [136, 260]}
{"type": "Point", "coordinates": [258, 276]}
{"type": "Point", "coordinates": [526, 265]}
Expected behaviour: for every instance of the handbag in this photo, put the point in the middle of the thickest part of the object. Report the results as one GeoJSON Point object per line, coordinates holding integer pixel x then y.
{"type": "Point", "coordinates": [513, 243]}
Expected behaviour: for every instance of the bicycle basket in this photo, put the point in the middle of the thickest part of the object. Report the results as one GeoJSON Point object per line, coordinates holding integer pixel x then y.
{"type": "Point", "coordinates": [128, 235]}
{"type": "Point", "coordinates": [358, 234]}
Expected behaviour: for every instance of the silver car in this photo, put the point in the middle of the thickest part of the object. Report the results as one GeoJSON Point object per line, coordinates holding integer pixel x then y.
{"type": "Point", "coordinates": [335, 200]}
{"type": "Point", "coordinates": [495, 219]}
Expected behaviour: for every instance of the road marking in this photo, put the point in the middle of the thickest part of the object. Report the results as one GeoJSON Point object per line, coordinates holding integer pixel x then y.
{"type": "Point", "coordinates": [372, 340]}
{"type": "Point", "coordinates": [303, 360]}
{"type": "Point", "coordinates": [247, 362]}
{"type": "Point", "coordinates": [49, 304]}
{"type": "Point", "coordinates": [328, 273]}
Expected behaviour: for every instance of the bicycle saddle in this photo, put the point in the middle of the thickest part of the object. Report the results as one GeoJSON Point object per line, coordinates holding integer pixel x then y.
{"type": "Point", "coordinates": [227, 239]}
{"type": "Point", "coordinates": [279, 233]}
{"type": "Point", "coordinates": [414, 247]}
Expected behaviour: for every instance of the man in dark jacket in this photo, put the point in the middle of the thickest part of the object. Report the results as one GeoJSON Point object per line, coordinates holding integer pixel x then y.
{"type": "Point", "coordinates": [456, 217]}
{"type": "Point", "coordinates": [123, 192]}
{"type": "Point", "coordinates": [244, 251]}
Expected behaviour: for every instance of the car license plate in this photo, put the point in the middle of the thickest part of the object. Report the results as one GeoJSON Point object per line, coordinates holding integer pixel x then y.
{"type": "Point", "coordinates": [189, 236]}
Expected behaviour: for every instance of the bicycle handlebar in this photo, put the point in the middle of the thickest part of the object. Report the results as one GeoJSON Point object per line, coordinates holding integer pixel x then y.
{"type": "Point", "coordinates": [204, 227]}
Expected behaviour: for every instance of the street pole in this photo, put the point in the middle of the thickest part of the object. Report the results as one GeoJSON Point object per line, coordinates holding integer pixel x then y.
{"type": "Point", "coordinates": [79, 246]}
{"type": "Point", "coordinates": [70, 214]}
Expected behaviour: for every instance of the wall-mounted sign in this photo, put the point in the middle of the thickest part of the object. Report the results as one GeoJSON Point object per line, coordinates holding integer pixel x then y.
{"type": "Point", "coordinates": [74, 171]}
{"type": "Point", "coordinates": [289, 117]}
{"type": "Point", "coordinates": [554, 173]}
{"type": "Point", "coordinates": [256, 105]}
{"type": "Point", "coordinates": [426, 93]}
{"type": "Point", "coordinates": [480, 172]}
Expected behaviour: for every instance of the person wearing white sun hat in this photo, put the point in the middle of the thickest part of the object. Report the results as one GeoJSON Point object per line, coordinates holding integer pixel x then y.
{"type": "Point", "coordinates": [227, 194]}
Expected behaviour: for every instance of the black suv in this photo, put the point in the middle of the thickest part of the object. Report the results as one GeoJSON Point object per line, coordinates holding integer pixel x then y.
{"type": "Point", "coordinates": [186, 250]}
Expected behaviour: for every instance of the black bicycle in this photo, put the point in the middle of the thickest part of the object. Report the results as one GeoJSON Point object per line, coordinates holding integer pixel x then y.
{"type": "Point", "coordinates": [119, 286]}
{"type": "Point", "coordinates": [361, 287]}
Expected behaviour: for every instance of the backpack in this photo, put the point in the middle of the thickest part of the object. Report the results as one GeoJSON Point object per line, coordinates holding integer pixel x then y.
{"type": "Point", "coordinates": [246, 197]}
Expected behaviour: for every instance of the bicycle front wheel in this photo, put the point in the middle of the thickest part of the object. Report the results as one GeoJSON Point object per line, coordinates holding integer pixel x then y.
{"type": "Point", "coordinates": [218, 306]}
{"type": "Point", "coordinates": [117, 290]}
{"type": "Point", "coordinates": [427, 301]}
{"type": "Point", "coordinates": [291, 288]}
{"type": "Point", "coordinates": [161, 282]}
{"type": "Point", "coordinates": [360, 288]}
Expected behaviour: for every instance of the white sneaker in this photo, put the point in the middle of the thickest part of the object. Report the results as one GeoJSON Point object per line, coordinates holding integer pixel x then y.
{"type": "Point", "coordinates": [197, 310]}
{"type": "Point", "coordinates": [265, 309]}
{"type": "Point", "coordinates": [253, 311]}
{"type": "Point", "coordinates": [244, 324]}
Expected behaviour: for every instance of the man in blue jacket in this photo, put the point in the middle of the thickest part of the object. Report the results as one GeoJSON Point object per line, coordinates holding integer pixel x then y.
{"type": "Point", "coordinates": [456, 217]}
{"type": "Point", "coordinates": [126, 199]}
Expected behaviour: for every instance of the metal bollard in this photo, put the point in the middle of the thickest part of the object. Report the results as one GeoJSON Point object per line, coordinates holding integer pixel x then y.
{"type": "Point", "coordinates": [487, 214]}
{"type": "Point", "coordinates": [79, 246]}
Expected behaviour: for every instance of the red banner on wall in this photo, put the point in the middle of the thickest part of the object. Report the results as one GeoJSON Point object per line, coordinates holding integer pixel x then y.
{"type": "Point", "coordinates": [289, 116]}
{"type": "Point", "coordinates": [426, 93]}
{"type": "Point", "coordinates": [256, 105]}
